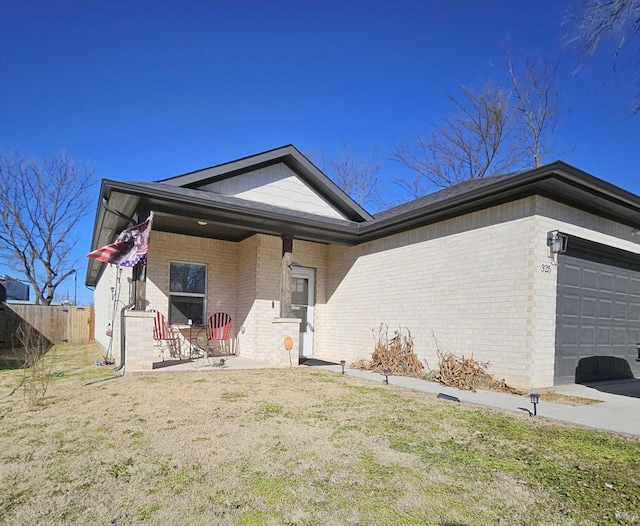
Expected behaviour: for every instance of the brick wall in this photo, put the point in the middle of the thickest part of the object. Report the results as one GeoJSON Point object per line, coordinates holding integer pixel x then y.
{"type": "Point", "coordinates": [464, 285]}
{"type": "Point", "coordinates": [220, 257]}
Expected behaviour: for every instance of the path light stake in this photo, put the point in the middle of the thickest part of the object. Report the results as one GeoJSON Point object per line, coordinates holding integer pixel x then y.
{"type": "Point", "coordinates": [343, 363]}
{"type": "Point", "coordinates": [535, 398]}
{"type": "Point", "coordinates": [386, 373]}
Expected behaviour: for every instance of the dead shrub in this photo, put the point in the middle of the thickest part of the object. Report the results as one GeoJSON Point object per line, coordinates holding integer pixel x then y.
{"type": "Point", "coordinates": [395, 353]}
{"type": "Point", "coordinates": [467, 374]}
{"type": "Point", "coordinates": [32, 346]}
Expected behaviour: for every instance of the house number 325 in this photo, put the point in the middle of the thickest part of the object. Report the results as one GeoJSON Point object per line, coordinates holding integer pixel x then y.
{"type": "Point", "coordinates": [545, 269]}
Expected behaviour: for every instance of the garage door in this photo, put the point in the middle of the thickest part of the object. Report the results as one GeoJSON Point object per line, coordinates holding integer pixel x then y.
{"type": "Point", "coordinates": [598, 317]}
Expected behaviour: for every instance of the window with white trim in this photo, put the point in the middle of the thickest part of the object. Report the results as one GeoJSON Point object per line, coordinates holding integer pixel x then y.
{"type": "Point", "coordinates": [187, 292]}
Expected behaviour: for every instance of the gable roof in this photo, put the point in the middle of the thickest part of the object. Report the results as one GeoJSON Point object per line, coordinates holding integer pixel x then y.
{"type": "Point", "coordinates": [290, 156]}
{"type": "Point", "coordinates": [180, 207]}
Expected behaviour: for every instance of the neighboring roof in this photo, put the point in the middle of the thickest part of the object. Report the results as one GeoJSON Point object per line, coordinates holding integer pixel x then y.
{"type": "Point", "coordinates": [178, 206]}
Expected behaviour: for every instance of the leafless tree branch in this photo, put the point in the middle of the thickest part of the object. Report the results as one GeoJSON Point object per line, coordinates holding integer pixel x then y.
{"type": "Point", "coordinates": [617, 21]}
{"type": "Point", "coordinates": [473, 142]}
{"type": "Point", "coordinates": [536, 105]}
{"type": "Point", "coordinates": [40, 205]}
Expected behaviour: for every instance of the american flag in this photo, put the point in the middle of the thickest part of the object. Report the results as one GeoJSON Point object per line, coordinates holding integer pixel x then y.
{"type": "Point", "coordinates": [129, 248]}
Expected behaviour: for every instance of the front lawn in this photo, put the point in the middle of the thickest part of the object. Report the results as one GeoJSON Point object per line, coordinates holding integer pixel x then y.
{"type": "Point", "coordinates": [295, 446]}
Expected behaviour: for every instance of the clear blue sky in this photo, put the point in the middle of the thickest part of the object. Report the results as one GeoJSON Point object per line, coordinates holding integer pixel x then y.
{"type": "Point", "coordinates": [145, 90]}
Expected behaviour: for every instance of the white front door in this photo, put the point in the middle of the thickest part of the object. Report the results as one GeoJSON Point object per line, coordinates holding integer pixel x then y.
{"type": "Point", "coordinates": [303, 286]}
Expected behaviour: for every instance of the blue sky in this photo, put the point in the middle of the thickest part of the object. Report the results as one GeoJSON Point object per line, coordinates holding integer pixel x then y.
{"type": "Point", "coordinates": [147, 90]}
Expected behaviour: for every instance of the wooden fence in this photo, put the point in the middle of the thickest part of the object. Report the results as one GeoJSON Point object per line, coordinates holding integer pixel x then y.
{"type": "Point", "coordinates": [57, 323]}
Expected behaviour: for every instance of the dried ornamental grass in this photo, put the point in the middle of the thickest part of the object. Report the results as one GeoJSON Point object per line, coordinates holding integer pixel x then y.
{"type": "Point", "coordinates": [468, 374]}
{"type": "Point", "coordinates": [395, 353]}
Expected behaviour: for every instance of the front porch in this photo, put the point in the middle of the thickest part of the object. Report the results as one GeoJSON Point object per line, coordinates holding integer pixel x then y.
{"type": "Point", "coordinates": [142, 354]}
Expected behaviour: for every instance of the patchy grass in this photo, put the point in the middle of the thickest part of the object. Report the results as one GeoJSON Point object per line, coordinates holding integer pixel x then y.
{"type": "Point", "coordinates": [297, 446]}
{"type": "Point", "coordinates": [559, 398]}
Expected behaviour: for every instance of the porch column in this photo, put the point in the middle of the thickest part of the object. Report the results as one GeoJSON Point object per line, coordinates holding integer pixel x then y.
{"type": "Point", "coordinates": [285, 276]}
{"type": "Point", "coordinates": [140, 273]}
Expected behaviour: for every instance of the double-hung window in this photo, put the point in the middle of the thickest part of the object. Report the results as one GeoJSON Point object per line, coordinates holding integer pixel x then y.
{"type": "Point", "coordinates": [187, 292]}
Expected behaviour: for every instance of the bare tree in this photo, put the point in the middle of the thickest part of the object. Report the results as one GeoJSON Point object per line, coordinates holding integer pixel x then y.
{"type": "Point", "coordinates": [357, 178]}
{"type": "Point", "coordinates": [472, 143]}
{"type": "Point", "coordinates": [40, 204]}
{"type": "Point", "coordinates": [536, 105]}
{"type": "Point", "coordinates": [617, 21]}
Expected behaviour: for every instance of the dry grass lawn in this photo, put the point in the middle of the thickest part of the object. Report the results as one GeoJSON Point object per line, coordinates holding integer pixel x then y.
{"type": "Point", "coordinates": [297, 446]}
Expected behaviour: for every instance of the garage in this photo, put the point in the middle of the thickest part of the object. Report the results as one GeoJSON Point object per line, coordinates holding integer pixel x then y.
{"type": "Point", "coordinates": [597, 314]}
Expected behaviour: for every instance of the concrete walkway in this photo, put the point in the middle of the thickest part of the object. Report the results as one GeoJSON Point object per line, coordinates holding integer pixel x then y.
{"type": "Point", "coordinates": [618, 411]}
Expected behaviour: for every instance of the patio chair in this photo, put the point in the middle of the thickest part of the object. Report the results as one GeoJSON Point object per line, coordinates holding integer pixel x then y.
{"type": "Point", "coordinates": [219, 330]}
{"type": "Point", "coordinates": [164, 334]}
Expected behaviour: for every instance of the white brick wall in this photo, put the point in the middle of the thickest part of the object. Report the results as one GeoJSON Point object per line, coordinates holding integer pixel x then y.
{"type": "Point", "coordinates": [275, 185]}
{"type": "Point", "coordinates": [464, 285]}
{"type": "Point", "coordinates": [108, 307]}
{"type": "Point", "coordinates": [220, 257]}
{"type": "Point", "coordinates": [472, 285]}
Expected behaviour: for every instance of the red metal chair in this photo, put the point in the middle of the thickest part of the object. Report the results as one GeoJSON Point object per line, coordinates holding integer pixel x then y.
{"type": "Point", "coordinates": [162, 332]}
{"type": "Point", "coordinates": [219, 330]}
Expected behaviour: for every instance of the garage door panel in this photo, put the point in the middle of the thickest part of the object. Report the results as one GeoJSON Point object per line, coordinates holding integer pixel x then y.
{"type": "Point", "coordinates": [619, 311]}
{"type": "Point", "coordinates": [571, 276]}
{"type": "Point", "coordinates": [604, 336]}
{"type": "Point", "coordinates": [589, 279]}
{"type": "Point", "coordinates": [598, 319]}
{"type": "Point", "coordinates": [606, 282]}
{"type": "Point", "coordinates": [588, 307]}
{"type": "Point", "coordinates": [587, 336]}
{"type": "Point", "coordinates": [619, 336]}
{"type": "Point", "coordinates": [605, 309]}
{"type": "Point", "coordinates": [569, 335]}
{"type": "Point", "coordinates": [571, 306]}
{"type": "Point", "coordinates": [622, 284]}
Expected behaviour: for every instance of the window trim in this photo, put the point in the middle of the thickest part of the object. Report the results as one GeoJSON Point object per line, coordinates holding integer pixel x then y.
{"type": "Point", "coordinates": [188, 294]}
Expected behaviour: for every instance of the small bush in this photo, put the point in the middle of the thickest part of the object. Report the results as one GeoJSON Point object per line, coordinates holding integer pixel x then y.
{"type": "Point", "coordinates": [33, 347]}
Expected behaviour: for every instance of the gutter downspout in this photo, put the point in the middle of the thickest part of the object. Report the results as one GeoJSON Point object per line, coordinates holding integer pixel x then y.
{"type": "Point", "coordinates": [123, 327]}
{"type": "Point", "coordinates": [123, 336]}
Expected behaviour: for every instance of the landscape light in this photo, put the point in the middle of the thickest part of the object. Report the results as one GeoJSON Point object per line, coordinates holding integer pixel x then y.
{"type": "Point", "coordinates": [343, 363]}
{"type": "Point", "coordinates": [387, 373]}
{"type": "Point", "coordinates": [535, 398]}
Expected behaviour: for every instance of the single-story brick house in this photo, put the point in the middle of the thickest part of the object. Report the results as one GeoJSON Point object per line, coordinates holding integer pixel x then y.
{"type": "Point", "coordinates": [536, 272]}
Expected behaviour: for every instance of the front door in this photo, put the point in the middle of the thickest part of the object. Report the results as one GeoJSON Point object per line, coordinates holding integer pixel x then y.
{"type": "Point", "coordinates": [303, 285]}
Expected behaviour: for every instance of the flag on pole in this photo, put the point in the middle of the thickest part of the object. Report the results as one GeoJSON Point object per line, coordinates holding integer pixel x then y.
{"type": "Point", "coordinates": [129, 248]}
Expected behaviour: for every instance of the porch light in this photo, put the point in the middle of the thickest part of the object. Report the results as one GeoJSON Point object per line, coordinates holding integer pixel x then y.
{"type": "Point", "coordinates": [387, 373]}
{"type": "Point", "coordinates": [535, 399]}
{"type": "Point", "coordinates": [638, 347]}
{"type": "Point", "coordinates": [343, 363]}
{"type": "Point", "coordinates": [557, 242]}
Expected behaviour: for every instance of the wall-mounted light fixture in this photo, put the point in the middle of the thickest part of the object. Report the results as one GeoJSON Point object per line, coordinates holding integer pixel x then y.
{"type": "Point", "coordinates": [557, 242]}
